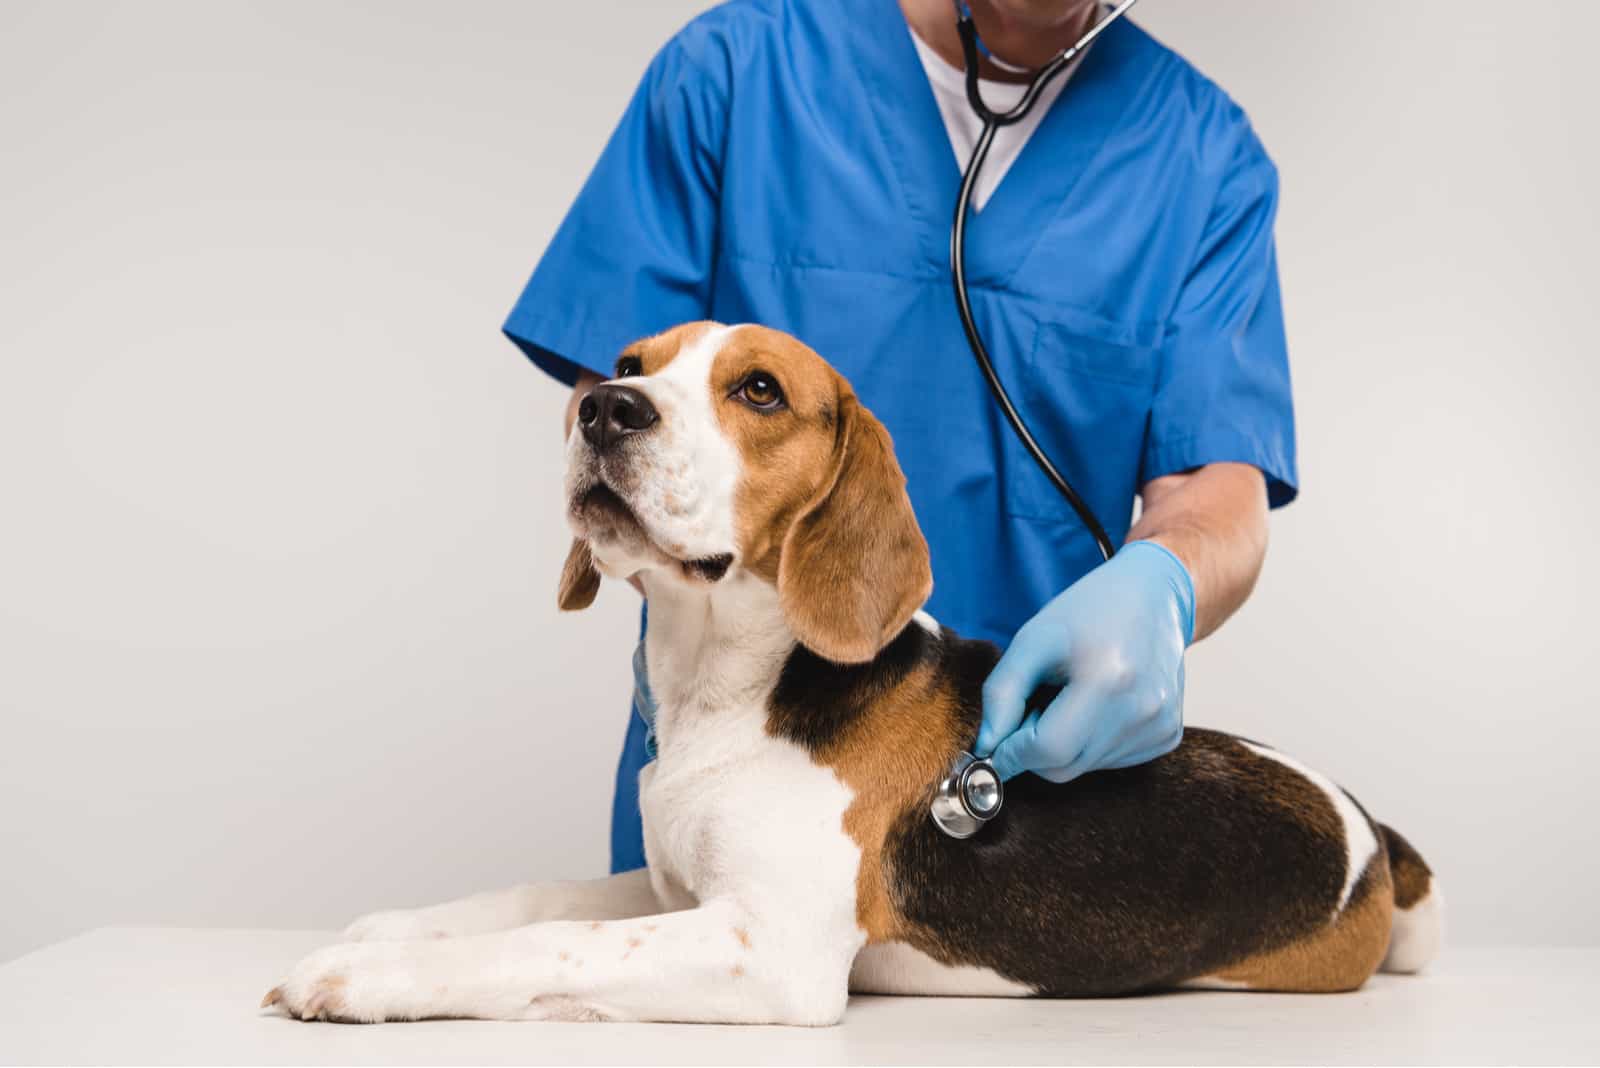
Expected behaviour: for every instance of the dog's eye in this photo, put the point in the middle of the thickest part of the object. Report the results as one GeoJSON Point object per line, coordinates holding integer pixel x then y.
{"type": "Point", "coordinates": [628, 366]}
{"type": "Point", "coordinates": [761, 391]}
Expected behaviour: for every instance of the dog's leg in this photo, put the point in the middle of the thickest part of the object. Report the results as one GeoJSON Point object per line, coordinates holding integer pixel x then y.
{"type": "Point", "coordinates": [713, 963]}
{"type": "Point", "coordinates": [617, 898]}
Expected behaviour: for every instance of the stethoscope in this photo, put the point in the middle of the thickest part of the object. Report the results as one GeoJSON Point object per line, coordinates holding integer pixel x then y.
{"type": "Point", "coordinates": [971, 794]}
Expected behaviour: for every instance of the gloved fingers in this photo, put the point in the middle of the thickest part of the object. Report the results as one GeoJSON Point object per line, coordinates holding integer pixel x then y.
{"type": "Point", "coordinates": [1036, 656]}
{"type": "Point", "coordinates": [1017, 750]}
{"type": "Point", "coordinates": [1158, 735]}
{"type": "Point", "coordinates": [1091, 758]}
{"type": "Point", "coordinates": [1122, 731]}
{"type": "Point", "coordinates": [1050, 740]}
{"type": "Point", "coordinates": [1148, 727]}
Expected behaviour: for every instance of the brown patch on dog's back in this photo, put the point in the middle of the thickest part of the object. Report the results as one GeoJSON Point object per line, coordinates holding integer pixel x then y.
{"type": "Point", "coordinates": [1411, 874]}
{"type": "Point", "coordinates": [887, 760]}
{"type": "Point", "coordinates": [1340, 956]}
{"type": "Point", "coordinates": [888, 729]}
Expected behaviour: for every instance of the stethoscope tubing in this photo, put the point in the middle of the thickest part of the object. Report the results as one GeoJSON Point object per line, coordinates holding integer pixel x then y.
{"type": "Point", "coordinates": [992, 121]}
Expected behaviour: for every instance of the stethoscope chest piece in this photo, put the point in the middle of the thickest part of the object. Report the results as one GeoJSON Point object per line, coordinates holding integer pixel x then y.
{"type": "Point", "coordinates": [969, 797]}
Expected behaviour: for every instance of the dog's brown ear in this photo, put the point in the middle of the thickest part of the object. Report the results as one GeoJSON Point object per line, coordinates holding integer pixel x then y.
{"type": "Point", "coordinates": [854, 566]}
{"type": "Point", "coordinates": [579, 580]}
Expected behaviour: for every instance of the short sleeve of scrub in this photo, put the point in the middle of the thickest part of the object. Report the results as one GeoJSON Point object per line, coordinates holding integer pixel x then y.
{"type": "Point", "coordinates": [635, 254]}
{"type": "Point", "coordinates": [1223, 392]}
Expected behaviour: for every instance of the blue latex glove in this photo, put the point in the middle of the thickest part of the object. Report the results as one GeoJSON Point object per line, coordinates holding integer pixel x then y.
{"type": "Point", "coordinates": [1115, 638]}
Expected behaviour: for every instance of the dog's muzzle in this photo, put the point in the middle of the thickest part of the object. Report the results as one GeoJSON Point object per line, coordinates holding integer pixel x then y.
{"type": "Point", "coordinates": [609, 413]}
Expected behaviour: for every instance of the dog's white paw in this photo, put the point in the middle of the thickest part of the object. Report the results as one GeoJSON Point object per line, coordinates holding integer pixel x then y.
{"type": "Point", "coordinates": [398, 925]}
{"type": "Point", "coordinates": [350, 983]}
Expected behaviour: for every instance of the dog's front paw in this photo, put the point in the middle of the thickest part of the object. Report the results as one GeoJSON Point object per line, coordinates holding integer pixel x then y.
{"type": "Point", "coordinates": [362, 983]}
{"type": "Point", "coordinates": [398, 925]}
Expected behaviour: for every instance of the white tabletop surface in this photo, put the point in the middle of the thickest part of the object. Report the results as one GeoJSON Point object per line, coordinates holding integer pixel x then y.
{"type": "Point", "coordinates": [183, 996]}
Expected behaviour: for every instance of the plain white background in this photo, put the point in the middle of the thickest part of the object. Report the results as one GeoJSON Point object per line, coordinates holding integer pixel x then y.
{"type": "Point", "coordinates": [279, 507]}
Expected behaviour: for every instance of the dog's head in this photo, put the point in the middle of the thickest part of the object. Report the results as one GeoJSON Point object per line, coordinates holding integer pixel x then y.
{"type": "Point", "coordinates": [721, 449]}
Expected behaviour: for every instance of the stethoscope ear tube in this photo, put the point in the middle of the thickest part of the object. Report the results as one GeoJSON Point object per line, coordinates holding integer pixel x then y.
{"type": "Point", "coordinates": [992, 121]}
{"type": "Point", "coordinates": [958, 273]}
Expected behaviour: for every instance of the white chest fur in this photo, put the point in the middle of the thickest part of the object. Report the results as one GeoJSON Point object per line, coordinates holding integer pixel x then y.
{"type": "Point", "coordinates": [728, 808]}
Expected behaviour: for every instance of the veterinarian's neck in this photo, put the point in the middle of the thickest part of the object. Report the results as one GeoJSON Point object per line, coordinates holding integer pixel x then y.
{"type": "Point", "coordinates": [713, 647]}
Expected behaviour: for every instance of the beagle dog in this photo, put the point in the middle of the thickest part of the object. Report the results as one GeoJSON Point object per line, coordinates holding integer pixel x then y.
{"type": "Point", "coordinates": [807, 708]}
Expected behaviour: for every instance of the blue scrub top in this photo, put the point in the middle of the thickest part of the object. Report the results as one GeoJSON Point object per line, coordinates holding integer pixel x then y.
{"type": "Point", "coordinates": [784, 162]}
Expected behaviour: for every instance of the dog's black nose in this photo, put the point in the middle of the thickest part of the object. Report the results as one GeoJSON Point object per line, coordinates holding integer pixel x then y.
{"type": "Point", "coordinates": [610, 413]}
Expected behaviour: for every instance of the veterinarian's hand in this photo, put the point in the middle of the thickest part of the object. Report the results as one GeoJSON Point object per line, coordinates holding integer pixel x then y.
{"type": "Point", "coordinates": [1115, 638]}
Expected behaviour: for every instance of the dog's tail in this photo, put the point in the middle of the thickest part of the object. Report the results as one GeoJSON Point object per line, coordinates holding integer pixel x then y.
{"type": "Point", "coordinates": [1418, 909]}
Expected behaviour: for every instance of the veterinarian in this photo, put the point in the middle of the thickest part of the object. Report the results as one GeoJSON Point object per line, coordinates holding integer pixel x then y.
{"type": "Point", "coordinates": [796, 163]}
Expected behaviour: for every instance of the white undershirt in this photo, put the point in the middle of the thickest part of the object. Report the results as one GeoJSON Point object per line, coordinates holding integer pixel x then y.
{"type": "Point", "coordinates": [963, 125]}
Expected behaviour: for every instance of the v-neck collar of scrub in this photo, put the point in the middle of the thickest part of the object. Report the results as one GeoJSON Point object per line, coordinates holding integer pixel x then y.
{"type": "Point", "coordinates": [901, 101]}
{"type": "Point", "coordinates": [964, 127]}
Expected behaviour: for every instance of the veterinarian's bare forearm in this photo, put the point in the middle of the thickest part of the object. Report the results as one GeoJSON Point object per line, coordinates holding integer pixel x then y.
{"type": "Point", "coordinates": [1214, 519]}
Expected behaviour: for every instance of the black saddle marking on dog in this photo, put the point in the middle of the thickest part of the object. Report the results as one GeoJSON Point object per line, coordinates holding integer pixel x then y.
{"type": "Point", "coordinates": [816, 699]}
{"type": "Point", "coordinates": [1125, 881]}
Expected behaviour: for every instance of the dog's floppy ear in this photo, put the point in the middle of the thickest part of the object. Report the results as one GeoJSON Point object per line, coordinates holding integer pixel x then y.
{"type": "Point", "coordinates": [579, 580]}
{"type": "Point", "coordinates": [854, 566]}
